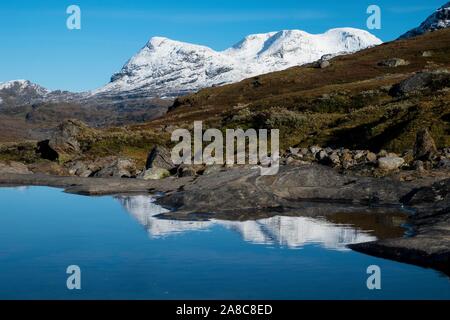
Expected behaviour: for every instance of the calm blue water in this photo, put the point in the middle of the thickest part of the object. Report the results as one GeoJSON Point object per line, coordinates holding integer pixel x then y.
{"type": "Point", "coordinates": [126, 253]}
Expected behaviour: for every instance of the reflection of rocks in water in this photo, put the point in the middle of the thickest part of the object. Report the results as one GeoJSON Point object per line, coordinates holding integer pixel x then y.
{"type": "Point", "coordinates": [292, 232]}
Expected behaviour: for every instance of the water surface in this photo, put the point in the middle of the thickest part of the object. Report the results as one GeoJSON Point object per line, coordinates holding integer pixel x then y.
{"type": "Point", "coordinates": [125, 252]}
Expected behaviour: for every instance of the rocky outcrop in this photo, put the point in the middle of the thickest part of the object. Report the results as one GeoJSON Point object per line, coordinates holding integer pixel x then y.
{"type": "Point", "coordinates": [241, 189]}
{"type": "Point", "coordinates": [118, 168]}
{"type": "Point", "coordinates": [430, 245]}
{"type": "Point", "coordinates": [422, 82]}
{"type": "Point", "coordinates": [64, 141]}
{"type": "Point", "coordinates": [14, 167]}
{"type": "Point", "coordinates": [160, 157]}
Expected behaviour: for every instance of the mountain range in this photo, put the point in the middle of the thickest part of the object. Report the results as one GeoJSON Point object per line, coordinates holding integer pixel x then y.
{"type": "Point", "coordinates": [168, 68]}
{"type": "Point", "coordinates": [171, 68]}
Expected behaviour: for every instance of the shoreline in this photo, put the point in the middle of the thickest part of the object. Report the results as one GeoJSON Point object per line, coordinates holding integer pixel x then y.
{"type": "Point", "coordinates": [240, 193]}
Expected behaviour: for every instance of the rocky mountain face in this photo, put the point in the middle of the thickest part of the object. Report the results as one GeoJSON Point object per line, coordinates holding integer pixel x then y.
{"type": "Point", "coordinates": [171, 68]}
{"type": "Point", "coordinates": [18, 92]}
{"type": "Point", "coordinates": [438, 20]}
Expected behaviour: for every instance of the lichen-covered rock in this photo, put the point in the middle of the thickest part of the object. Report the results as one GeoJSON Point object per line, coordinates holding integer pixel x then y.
{"type": "Point", "coordinates": [390, 163]}
{"type": "Point", "coordinates": [154, 174]}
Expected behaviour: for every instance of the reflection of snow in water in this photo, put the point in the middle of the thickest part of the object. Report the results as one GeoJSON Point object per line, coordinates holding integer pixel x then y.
{"type": "Point", "coordinates": [21, 188]}
{"type": "Point", "coordinates": [292, 232]}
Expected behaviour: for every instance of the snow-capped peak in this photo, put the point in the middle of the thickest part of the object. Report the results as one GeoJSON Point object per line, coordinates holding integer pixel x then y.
{"type": "Point", "coordinates": [22, 85]}
{"type": "Point", "coordinates": [440, 19]}
{"type": "Point", "coordinates": [166, 67]}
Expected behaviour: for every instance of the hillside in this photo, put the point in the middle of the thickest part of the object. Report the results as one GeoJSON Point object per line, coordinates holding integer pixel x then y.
{"type": "Point", "coordinates": [374, 99]}
{"type": "Point", "coordinates": [348, 104]}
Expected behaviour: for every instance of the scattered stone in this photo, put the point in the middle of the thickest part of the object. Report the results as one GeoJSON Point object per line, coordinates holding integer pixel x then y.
{"type": "Point", "coordinates": [80, 169]}
{"type": "Point", "coordinates": [444, 163]}
{"type": "Point", "coordinates": [427, 54]}
{"type": "Point", "coordinates": [322, 154]}
{"type": "Point", "coordinates": [347, 159]}
{"type": "Point", "coordinates": [324, 61]}
{"type": "Point", "coordinates": [371, 157]}
{"type": "Point", "coordinates": [390, 163]}
{"type": "Point", "coordinates": [303, 151]}
{"type": "Point", "coordinates": [359, 154]}
{"type": "Point", "coordinates": [393, 63]}
{"type": "Point", "coordinates": [382, 154]}
{"type": "Point", "coordinates": [186, 171]}
{"type": "Point", "coordinates": [334, 158]}
{"type": "Point", "coordinates": [154, 174]}
{"type": "Point", "coordinates": [418, 166]}
{"type": "Point", "coordinates": [324, 64]}
{"type": "Point", "coordinates": [118, 168]}
{"type": "Point", "coordinates": [315, 149]}
{"type": "Point", "coordinates": [294, 151]}
{"type": "Point", "coordinates": [425, 147]}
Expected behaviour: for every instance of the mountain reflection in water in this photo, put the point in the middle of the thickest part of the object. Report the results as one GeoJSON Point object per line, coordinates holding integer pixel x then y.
{"type": "Point", "coordinates": [287, 231]}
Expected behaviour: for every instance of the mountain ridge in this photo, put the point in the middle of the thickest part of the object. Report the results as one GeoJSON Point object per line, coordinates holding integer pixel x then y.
{"type": "Point", "coordinates": [440, 19]}
{"type": "Point", "coordinates": [172, 68]}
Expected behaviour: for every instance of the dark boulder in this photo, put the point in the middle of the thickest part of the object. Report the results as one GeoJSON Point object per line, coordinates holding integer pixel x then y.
{"type": "Point", "coordinates": [421, 81]}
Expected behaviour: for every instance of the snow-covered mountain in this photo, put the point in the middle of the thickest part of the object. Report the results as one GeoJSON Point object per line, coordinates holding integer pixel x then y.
{"type": "Point", "coordinates": [169, 68]}
{"type": "Point", "coordinates": [440, 19]}
{"type": "Point", "coordinates": [25, 92]}
{"type": "Point", "coordinates": [21, 91]}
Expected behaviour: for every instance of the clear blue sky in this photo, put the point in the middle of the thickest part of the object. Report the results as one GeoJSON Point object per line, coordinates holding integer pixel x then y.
{"type": "Point", "coordinates": [36, 45]}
